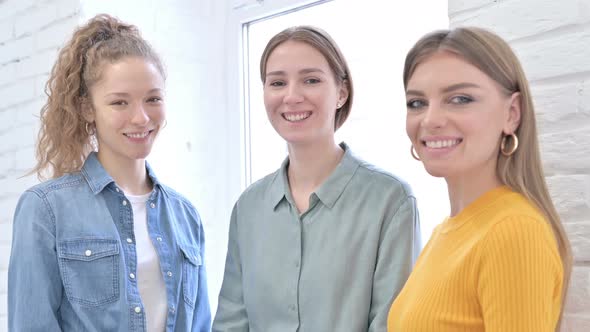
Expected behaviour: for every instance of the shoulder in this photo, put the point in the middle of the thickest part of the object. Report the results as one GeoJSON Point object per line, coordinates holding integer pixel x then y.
{"type": "Point", "coordinates": [519, 228]}
{"type": "Point", "coordinates": [379, 178]}
{"type": "Point", "coordinates": [517, 239]}
{"type": "Point", "coordinates": [61, 184]}
{"type": "Point", "coordinates": [260, 188]}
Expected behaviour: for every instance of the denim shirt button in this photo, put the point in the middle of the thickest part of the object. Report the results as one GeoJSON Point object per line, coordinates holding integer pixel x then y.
{"type": "Point", "coordinates": [117, 189]}
{"type": "Point", "coordinates": [159, 239]}
{"type": "Point", "coordinates": [88, 253]}
{"type": "Point", "coordinates": [137, 309]}
{"type": "Point", "coordinates": [153, 205]}
{"type": "Point", "coordinates": [129, 240]}
{"type": "Point", "coordinates": [124, 202]}
{"type": "Point", "coordinates": [169, 274]}
{"type": "Point", "coordinates": [131, 275]}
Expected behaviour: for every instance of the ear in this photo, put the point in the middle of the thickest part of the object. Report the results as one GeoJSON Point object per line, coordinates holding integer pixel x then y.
{"type": "Point", "coordinates": [87, 109]}
{"type": "Point", "coordinates": [514, 112]}
{"type": "Point", "coordinates": [343, 92]}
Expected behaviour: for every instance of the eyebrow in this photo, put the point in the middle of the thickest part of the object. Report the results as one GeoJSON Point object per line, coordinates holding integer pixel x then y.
{"type": "Point", "coordinates": [302, 71]}
{"type": "Point", "coordinates": [447, 89]}
{"type": "Point", "coordinates": [124, 94]}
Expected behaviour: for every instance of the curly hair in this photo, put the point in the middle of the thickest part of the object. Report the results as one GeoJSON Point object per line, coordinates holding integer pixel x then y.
{"type": "Point", "coordinates": [64, 139]}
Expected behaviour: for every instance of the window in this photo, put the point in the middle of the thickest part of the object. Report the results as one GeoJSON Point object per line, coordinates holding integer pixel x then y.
{"type": "Point", "coordinates": [374, 36]}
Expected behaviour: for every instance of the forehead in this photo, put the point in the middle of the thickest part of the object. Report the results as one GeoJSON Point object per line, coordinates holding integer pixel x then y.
{"type": "Point", "coordinates": [445, 68]}
{"type": "Point", "coordinates": [295, 53]}
{"type": "Point", "coordinates": [129, 73]}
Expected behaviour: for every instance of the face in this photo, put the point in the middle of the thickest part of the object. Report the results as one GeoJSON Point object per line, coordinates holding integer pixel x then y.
{"type": "Point", "coordinates": [128, 109]}
{"type": "Point", "coordinates": [301, 94]}
{"type": "Point", "coordinates": [456, 116]}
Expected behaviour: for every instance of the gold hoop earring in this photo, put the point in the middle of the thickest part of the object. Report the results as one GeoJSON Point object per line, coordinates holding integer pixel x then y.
{"type": "Point", "coordinates": [90, 131]}
{"type": "Point", "coordinates": [414, 153]}
{"type": "Point", "coordinates": [514, 145]}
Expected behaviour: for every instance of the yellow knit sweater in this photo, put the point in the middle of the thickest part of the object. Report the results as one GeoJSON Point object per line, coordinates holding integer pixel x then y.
{"type": "Point", "coordinates": [493, 267]}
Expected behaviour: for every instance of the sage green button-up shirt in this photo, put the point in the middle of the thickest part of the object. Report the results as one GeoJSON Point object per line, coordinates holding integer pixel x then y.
{"type": "Point", "coordinates": [337, 267]}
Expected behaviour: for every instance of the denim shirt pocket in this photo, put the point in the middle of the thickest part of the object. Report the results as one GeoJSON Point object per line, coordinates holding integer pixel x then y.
{"type": "Point", "coordinates": [90, 270]}
{"type": "Point", "coordinates": [191, 263]}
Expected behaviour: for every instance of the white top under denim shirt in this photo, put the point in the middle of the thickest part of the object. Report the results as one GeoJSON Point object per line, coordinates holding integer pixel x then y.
{"type": "Point", "coordinates": [73, 260]}
{"type": "Point", "coordinates": [335, 268]}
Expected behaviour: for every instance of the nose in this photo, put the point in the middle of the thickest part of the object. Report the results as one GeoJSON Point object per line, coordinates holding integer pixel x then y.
{"type": "Point", "coordinates": [434, 117]}
{"type": "Point", "coordinates": [293, 94]}
{"type": "Point", "coordinates": [140, 116]}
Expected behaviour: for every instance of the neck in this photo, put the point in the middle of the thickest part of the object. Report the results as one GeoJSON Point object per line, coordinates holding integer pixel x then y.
{"type": "Point", "coordinates": [310, 165]}
{"type": "Point", "coordinates": [129, 175]}
{"type": "Point", "coordinates": [466, 188]}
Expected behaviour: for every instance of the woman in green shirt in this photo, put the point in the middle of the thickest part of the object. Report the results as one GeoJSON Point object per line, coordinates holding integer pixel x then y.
{"type": "Point", "coordinates": [327, 241]}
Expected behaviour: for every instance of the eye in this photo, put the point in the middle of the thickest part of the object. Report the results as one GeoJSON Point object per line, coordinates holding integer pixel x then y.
{"type": "Point", "coordinates": [277, 83]}
{"type": "Point", "coordinates": [461, 100]}
{"type": "Point", "coordinates": [415, 104]}
{"type": "Point", "coordinates": [312, 81]}
{"type": "Point", "coordinates": [118, 103]}
{"type": "Point", "coordinates": [154, 100]}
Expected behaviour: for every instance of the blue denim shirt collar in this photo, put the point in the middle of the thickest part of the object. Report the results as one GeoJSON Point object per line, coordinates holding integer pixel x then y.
{"type": "Point", "coordinates": [98, 178]}
{"type": "Point", "coordinates": [329, 191]}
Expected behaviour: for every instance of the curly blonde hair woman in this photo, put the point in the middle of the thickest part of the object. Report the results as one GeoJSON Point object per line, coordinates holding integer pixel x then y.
{"type": "Point", "coordinates": [103, 245]}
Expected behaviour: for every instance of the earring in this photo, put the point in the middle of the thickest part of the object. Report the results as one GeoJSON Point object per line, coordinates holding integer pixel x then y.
{"type": "Point", "coordinates": [514, 145]}
{"type": "Point", "coordinates": [165, 124]}
{"type": "Point", "coordinates": [414, 153]}
{"type": "Point", "coordinates": [338, 105]}
{"type": "Point", "coordinates": [88, 129]}
{"type": "Point", "coordinates": [91, 131]}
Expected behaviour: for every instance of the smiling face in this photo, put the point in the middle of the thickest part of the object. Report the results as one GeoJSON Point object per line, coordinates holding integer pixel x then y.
{"type": "Point", "coordinates": [300, 94]}
{"type": "Point", "coordinates": [127, 109]}
{"type": "Point", "coordinates": [456, 117]}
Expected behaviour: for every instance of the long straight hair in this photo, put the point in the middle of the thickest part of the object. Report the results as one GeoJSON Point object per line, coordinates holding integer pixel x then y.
{"type": "Point", "coordinates": [522, 171]}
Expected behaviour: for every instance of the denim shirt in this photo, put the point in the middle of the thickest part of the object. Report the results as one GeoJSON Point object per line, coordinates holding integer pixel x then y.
{"type": "Point", "coordinates": [73, 260]}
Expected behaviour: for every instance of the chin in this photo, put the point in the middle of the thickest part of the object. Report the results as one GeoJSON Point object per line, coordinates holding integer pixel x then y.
{"type": "Point", "coordinates": [437, 172]}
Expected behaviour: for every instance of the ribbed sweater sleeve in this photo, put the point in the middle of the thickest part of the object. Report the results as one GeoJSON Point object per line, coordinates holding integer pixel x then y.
{"type": "Point", "coordinates": [519, 277]}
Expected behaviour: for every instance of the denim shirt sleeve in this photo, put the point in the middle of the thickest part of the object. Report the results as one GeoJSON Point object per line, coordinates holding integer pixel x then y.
{"type": "Point", "coordinates": [231, 313]}
{"type": "Point", "coordinates": [202, 316]}
{"type": "Point", "coordinates": [400, 245]}
{"type": "Point", "coordinates": [34, 284]}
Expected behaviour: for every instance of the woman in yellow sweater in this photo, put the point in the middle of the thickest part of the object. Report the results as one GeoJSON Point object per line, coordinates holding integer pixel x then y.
{"type": "Point", "coordinates": [501, 261]}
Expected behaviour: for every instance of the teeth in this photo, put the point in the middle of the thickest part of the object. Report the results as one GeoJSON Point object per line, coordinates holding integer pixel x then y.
{"type": "Point", "coordinates": [296, 117]}
{"type": "Point", "coordinates": [442, 144]}
{"type": "Point", "coordinates": [138, 135]}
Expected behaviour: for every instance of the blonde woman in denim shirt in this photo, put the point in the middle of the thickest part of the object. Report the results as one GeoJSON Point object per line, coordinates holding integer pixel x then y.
{"type": "Point", "coordinates": [103, 245]}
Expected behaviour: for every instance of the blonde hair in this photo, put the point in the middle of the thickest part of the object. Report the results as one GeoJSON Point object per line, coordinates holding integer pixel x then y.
{"type": "Point", "coordinates": [522, 171]}
{"type": "Point", "coordinates": [321, 41]}
{"type": "Point", "coordinates": [63, 142]}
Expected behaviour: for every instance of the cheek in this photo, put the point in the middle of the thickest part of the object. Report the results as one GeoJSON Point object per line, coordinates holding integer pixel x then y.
{"type": "Point", "coordinates": [270, 101]}
{"type": "Point", "coordinates": [412, 125]}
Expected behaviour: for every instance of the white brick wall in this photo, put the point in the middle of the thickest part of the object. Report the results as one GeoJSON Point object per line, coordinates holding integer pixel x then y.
{"type": "Point", "coordinates": [30, 34]}
{"type": "Point", "coordinates": [552, 39]}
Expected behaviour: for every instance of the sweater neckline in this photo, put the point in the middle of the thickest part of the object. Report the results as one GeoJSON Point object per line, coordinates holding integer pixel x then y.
{"type": "Point", "coordinates": [476, 207]}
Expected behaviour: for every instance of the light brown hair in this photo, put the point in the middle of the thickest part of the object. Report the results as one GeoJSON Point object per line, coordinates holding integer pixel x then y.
{"type": "Point", "coordinates": [321, 41]}
{"type": "Point", "coordinates": [522, 171]}
{"type": "Point", "coordinates": [64, 141]}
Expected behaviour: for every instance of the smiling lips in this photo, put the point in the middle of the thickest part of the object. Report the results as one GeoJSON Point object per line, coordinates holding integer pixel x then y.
{"type": "Point", "coordinates": [441, 144]}
{"type": "Point", "coordinates": [296, 116]}
{"type": "Point", "coordinates": [138, 135]}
